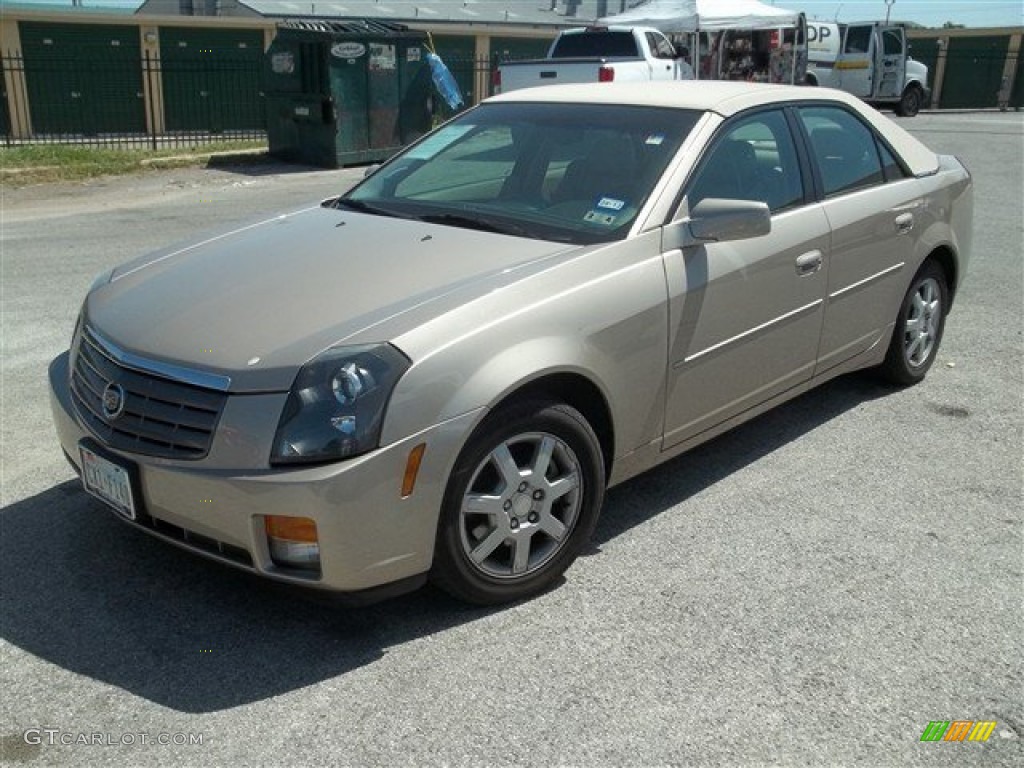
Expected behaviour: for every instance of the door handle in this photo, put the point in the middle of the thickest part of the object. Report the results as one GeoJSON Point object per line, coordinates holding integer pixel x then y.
{"type": "Point", "coordinates": [809, 263]}
{"type": "Point", "coordinates": [904, 223]}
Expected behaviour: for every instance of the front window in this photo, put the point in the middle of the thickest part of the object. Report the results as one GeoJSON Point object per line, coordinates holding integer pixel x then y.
{"type": "Point", "coordinates": [755, 159]}
{"type": "Point", "coordinates": [577, 173]}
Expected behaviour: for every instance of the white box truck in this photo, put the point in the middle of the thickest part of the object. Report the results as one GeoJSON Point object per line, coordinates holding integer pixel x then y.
{"type": "Point", "coordinates": [870, 60]}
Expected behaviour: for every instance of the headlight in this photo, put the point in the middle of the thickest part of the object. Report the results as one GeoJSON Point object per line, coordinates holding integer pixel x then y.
{"type": "Point", "coordinates": [335, 408]}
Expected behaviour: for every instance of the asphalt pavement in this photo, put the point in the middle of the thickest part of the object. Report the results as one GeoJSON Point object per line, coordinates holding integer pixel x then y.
{"type": "Point", "coordinates": [812, 588]}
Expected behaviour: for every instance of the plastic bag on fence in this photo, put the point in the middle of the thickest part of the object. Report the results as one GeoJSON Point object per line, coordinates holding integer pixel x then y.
{"type": "Point", "coordinates": [444, 82]}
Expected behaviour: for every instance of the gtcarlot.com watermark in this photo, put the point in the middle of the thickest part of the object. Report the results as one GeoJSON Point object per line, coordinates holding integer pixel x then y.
{"type": "Point", "coordinates": [53, 737]}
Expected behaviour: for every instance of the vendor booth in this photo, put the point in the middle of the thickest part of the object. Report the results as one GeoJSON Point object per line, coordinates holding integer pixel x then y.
{"type": "Point", "coordinates": [730, 39]}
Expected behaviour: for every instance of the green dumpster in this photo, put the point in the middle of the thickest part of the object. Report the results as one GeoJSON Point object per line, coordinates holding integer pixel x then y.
{"type": "Point", "coordinates": [343, 93]}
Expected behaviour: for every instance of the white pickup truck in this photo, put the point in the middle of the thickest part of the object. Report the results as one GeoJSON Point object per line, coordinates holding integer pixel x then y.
{"type": "Point", "coordinates": [598, 54]}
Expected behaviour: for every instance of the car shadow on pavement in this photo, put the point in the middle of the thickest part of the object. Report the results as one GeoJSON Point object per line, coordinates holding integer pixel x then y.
{"type": "Point", "coordinates": [647, 495]}
{"type": "Point", "coordinates": [93, 596]}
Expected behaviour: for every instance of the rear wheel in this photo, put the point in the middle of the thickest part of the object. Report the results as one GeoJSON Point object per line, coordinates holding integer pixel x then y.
{"type": "Point", "coordinates": [910, 102]}
{"type": "Point", "coordinates": [918, 332]}
{"type": "Point", "coordinates": [520, 504]}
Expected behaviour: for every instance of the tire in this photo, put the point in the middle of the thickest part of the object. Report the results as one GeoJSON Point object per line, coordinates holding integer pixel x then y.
{"type": "Point", "coordinates": [509, 527]}
{"type": "Point", "coordinates": [919, 327]}
{"type": "Point", "coordinates": [910, 102]}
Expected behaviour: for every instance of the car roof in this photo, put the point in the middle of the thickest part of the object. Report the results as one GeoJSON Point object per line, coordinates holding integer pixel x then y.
{"type": "Point", "coordinates": [726, 98]}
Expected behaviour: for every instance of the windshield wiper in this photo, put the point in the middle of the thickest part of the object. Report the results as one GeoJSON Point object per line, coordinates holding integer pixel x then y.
{"type": "Point", "coordinates": [364, 207]}
{"type": "Point", "coordinates": [483, 223]}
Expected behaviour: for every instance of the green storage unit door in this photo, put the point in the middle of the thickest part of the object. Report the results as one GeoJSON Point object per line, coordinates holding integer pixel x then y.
{"type": "Point", "coordinates": [974, 71]}
{"type": "Point", "coordinates": [926, 50]}
{"type": "Point", "coordinates": [83, 78]}
{"type": "Point", "coordinates": [211, 79]}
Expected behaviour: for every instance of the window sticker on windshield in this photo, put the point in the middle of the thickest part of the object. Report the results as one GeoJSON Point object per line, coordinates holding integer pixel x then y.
{"type": "Point", "coordinates": [655, 139]}
{"type": "Point", "coordinates": [605, 211]}
{"type": "Point", "coordinates": [431, 146]}
{"type": "Point", "coordinates": [598, 217]}
{"type": "Point", "coordinates": [610, 204]}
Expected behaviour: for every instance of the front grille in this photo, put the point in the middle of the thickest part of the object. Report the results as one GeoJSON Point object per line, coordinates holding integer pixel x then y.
{"type": "Point", "coordinates": [161, 417]}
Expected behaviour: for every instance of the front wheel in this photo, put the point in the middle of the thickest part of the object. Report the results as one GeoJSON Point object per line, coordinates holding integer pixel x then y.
{"type": "Point", "coordinates": [910, 102]}
{"type": "Point", "coordinates": [520, 504]}
{"type": "Point", "coordinates": [918, 332]}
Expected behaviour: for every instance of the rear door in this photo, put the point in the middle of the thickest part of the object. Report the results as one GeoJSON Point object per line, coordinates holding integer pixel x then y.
{"type": "Point", "coordinates": [890, 62]}
{"type": "Point", "coordinates": [871, 204]}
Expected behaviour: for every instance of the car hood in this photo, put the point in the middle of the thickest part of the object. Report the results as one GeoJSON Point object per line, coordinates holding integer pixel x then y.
{"type": "Point", "coordinates": [258, 302]}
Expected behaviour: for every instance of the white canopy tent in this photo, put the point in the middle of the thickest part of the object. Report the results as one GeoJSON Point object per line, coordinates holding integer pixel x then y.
{"type": "Point", "coordinates": [692, 17]}
{"type": "Point", "coordinates": [705, 15]}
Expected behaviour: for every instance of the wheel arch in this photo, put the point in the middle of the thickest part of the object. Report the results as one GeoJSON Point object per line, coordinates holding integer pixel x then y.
{"type": "Point", "coordinates": [575, 390]}
{"type": "Point", "coordinates": [944, 257]}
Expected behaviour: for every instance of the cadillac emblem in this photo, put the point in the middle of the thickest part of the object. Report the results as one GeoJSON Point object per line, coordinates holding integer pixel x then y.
{"type": "Point", "coordinates": [113, 401]}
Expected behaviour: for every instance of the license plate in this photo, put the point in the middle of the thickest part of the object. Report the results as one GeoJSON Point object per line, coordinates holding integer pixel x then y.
{"type": "Point", "coordinates": [108, 482]}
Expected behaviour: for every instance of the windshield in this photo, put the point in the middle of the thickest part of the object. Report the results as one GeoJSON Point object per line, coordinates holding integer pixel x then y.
{"type": "Point", "coordinates": [575, 173]}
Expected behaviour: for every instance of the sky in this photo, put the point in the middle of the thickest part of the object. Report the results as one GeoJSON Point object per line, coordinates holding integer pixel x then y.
{"type": "Point", "coordinates": [932, 13]}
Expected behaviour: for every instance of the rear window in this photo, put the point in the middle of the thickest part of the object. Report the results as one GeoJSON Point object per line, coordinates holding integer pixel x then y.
{"type": "Point", "coordinates": [591, 44]}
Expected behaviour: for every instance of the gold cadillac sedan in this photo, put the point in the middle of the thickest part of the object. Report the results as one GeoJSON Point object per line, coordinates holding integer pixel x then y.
{"type": "Point", "coordinates": [436, 375]}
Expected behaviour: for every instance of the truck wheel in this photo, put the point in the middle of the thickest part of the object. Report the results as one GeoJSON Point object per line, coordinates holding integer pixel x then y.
{"type": "Point", "coordinates": [910, 103]}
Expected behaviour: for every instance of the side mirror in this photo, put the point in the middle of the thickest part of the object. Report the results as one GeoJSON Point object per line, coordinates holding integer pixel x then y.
{"type": "Point", "coordinates": [714, 220]}
{"type": "Point", "coordinates": [370, 170]}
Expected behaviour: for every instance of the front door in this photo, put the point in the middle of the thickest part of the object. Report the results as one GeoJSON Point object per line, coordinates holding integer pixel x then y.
{"type": "Point", "coordinates": [745, 316]}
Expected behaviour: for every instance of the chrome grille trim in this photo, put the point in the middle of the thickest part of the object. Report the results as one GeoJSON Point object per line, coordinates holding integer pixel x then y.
{"type": "Point", "coordinates": [161, 417]}
{"type": "Point", "coordinates": [163, 370]}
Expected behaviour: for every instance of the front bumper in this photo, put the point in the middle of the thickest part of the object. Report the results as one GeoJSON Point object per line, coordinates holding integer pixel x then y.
{"type": "Point", "coordinates": [368, 534]}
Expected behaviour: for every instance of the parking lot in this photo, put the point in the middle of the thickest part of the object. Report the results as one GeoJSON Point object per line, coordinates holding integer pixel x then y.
{"type": "Point", "coordinates": [812, 588]}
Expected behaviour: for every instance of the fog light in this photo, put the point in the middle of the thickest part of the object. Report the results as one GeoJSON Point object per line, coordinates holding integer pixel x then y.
{"type": "Point", "coordinates": [293, 542]}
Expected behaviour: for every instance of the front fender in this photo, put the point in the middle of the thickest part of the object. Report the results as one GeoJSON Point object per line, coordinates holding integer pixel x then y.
{"type": "Point", "coordinates": [602, 316]}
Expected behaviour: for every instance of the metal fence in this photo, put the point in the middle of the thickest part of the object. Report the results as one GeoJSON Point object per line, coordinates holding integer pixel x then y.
{"type": "Point", "coordinates": [130, 102]}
